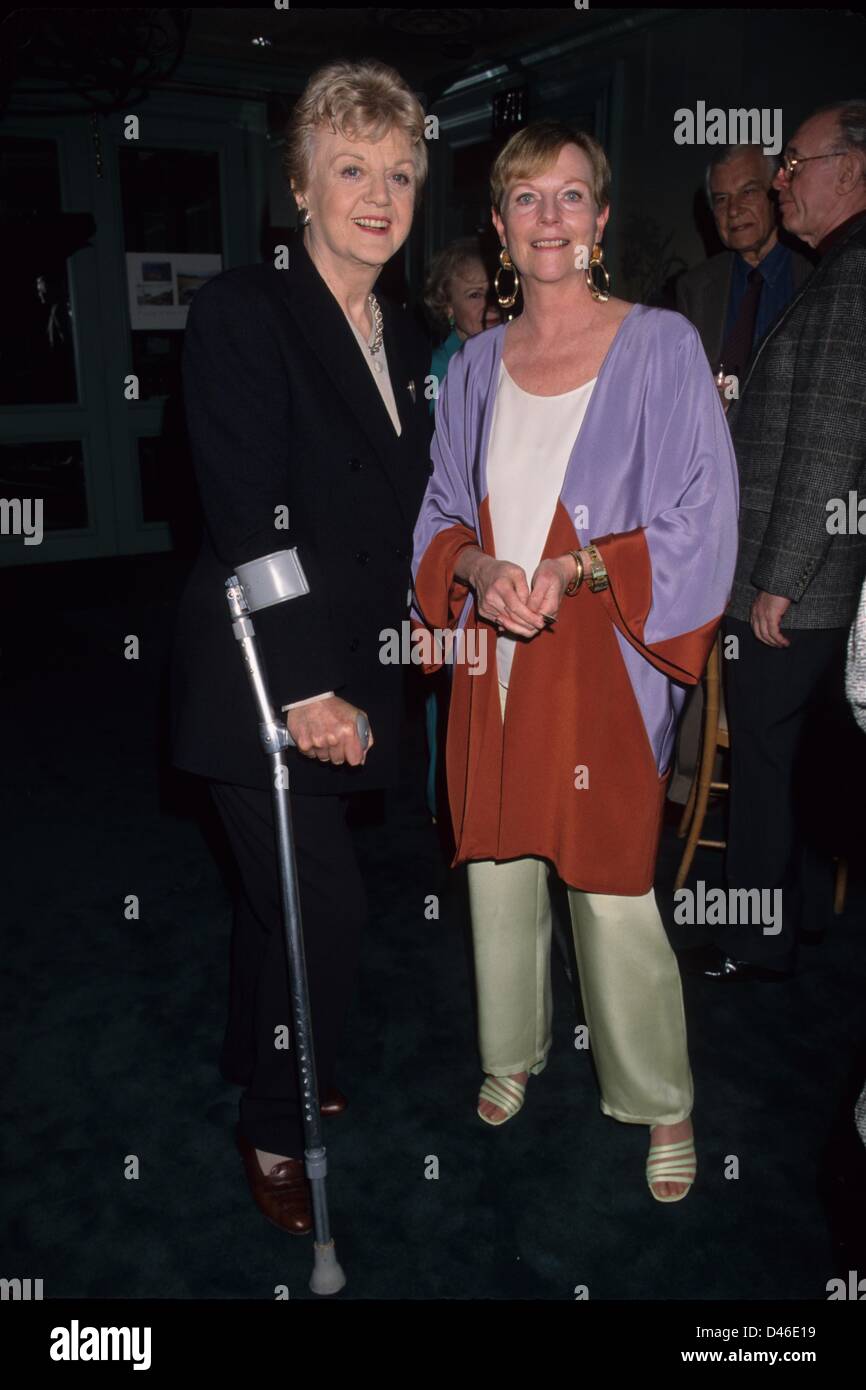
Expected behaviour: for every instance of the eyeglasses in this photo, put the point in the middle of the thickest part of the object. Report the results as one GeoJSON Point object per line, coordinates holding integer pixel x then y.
{"type": "Point", "coordinates": [789, 166]}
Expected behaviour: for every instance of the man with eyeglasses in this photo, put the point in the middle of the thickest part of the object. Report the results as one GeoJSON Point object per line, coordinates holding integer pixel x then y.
{"type": "Point", "coordinates": [799, 431]}
{"type": "Point", "coordinates": [732, 299]}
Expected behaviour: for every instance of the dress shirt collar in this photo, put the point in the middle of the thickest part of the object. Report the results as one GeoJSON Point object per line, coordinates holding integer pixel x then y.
{"type": "Point", "coordinates": [771, 267]}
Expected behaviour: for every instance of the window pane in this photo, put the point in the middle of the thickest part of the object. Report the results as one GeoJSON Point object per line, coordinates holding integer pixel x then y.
{"type": "Point", "coordinates": [171, 199]}
{"type": "Point", "coordinates": [171, 207]}
{"type": "Point", "coordinates": [156, 362]}
{"type": "Point", "coordinates": [37, 352]}
{"type": "Point", "coordinates": [468, 196]}
{"type": "Point", "coordinates": [42, 483]}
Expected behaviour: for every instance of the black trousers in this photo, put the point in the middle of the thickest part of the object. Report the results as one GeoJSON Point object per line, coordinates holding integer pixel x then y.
{"type": "Point", "coordinates": [788, 725]}
{"type": "Point", "coordinates": [333, 910]}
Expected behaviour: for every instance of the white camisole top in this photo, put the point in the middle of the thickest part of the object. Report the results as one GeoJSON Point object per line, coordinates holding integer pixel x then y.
{"type": "Point", "coordinates": [531, 441]}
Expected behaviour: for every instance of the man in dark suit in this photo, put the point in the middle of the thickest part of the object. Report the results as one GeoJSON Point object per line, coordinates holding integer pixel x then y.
{"type": "Point", "coordinates": [732, 314]}
{"type": "Point", "coordinates": [309, 428]}
{"type": "Point", "coordinates": [733, 298]}
{"type": "Point", "coordinates": [799, 430]}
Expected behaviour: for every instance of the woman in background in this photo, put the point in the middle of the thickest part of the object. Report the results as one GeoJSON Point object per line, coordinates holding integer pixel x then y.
{"type": "Point", "coordinates": [458, 295]}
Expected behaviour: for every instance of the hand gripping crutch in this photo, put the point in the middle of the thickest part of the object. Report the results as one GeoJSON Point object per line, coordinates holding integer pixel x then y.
{"type": "Point", "coordinates": [259, 584]}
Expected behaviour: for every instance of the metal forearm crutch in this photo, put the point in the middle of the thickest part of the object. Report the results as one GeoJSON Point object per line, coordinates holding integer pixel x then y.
{"type": "Point", "coordinates": [259, 584]}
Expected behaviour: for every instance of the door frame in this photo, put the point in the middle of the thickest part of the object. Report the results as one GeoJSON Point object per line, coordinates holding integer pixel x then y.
{"type": "Point", "coordinates": [109, 425]}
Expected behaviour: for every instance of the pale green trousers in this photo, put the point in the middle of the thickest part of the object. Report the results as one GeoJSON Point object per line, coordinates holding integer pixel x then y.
{"type": "Point", "coordinates": [629, 983]}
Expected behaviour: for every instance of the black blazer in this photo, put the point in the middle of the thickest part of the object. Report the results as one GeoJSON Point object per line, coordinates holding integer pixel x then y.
{"type": "Point", "coordinates": [282, 411]}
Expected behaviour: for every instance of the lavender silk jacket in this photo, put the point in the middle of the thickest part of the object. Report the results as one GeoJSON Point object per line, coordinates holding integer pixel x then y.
{"type": "Point", "coordinates": [651, 478]}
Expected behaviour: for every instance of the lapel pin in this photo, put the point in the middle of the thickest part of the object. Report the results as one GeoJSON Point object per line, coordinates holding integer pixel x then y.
{"type": "Point", "coordinates": [412, 391]}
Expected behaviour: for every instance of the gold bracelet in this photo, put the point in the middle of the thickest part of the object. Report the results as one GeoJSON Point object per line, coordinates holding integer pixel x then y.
{"type": "Point", "coordinates": [576, 582]}
{"type": "Point", "coordinates": [598, 577]}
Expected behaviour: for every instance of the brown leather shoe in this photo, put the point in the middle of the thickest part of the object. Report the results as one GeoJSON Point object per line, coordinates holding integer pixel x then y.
{"type": "Point", "coordinates": [283, 1195]}
{"type": "Point", "coordinates": [332, 1102]}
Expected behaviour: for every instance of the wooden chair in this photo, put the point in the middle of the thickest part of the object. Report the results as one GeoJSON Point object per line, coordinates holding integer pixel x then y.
{"type": "Point", "coordinates": [715, 736]}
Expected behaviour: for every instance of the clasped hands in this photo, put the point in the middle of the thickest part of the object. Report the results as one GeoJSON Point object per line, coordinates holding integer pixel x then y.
{"type": "Point", "coordinates": [505, 598]}
{"type": "Point", "coordinates": [325, 729]}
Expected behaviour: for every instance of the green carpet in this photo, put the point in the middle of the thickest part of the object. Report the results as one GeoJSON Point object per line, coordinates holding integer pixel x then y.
{"type": "Point", "coordinates": [112, 1027]}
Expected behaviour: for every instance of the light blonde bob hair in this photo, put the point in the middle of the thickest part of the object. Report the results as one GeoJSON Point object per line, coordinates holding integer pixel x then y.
{"type": "Point", "coordinates": [534, 148]}
{"type": "Point", "coordinates": [359, 100]}
{"type": "Point", "coordinates": [445, 265]}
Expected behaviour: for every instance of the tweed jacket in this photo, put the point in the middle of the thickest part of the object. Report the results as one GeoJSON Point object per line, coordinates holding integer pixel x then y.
{"type": "Point", "coordinates": [799, 432]}
{"type": "Point", "coordinates": [855, 666]}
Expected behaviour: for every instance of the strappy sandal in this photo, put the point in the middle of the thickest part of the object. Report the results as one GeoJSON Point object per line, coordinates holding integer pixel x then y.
{"type": "Point", "coordinates": [504, 1092]}
{"type": "Point", "coordinates": [672, 1163]}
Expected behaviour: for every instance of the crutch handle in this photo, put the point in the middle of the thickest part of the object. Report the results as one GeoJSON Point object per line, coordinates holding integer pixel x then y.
{"type": "Point", "coordinates": [362, 724]}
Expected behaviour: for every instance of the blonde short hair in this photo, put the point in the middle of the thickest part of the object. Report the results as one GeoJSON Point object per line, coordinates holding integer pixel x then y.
{"type": "Point", "coordinates": [534, 148]}
{"type": "Point", "coordinates": [445, 265]}
{"type": "Point", "coordinates": [364, 100]}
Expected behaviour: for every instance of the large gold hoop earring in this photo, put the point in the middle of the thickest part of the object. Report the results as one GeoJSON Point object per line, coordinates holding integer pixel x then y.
{"type": "Point", "coordinates": [505, 263]}
{"type": "Point", "coordinates": [596, 262]}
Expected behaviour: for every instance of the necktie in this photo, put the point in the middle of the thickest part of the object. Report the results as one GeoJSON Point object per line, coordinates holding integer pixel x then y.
{"type": "Point", "coordinates": [737, 347]}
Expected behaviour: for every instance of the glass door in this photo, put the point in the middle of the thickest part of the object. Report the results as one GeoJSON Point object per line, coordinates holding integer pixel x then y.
{"type": "Point", "coordinates": [107, 240]}
{"type": "Point", "coordinates": [54, 503]}
{"type": "Point", "coordinates": [188, 193]}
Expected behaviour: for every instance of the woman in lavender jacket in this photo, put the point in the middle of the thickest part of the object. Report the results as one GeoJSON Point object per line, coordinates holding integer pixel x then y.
{"type": "Point", "coordinates": [582, 515]}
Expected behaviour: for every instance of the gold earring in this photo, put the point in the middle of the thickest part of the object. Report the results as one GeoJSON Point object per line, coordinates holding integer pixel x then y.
{"type": "Point", "coordinates": [596, 261]}
{"type": "Point", "coordinates": [304, 216]}
{"type": "Point", "coordinates": [505, 263]}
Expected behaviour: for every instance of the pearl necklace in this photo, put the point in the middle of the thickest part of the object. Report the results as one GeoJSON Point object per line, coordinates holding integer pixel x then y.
{"type": "Point", "coordinates": [376, 344]}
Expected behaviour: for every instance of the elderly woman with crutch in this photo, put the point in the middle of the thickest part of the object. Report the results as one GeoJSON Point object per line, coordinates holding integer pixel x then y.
{"type": "Point", "coordinates": [310, 431]}
{"type": "Point", "coordinates": [581, 512]}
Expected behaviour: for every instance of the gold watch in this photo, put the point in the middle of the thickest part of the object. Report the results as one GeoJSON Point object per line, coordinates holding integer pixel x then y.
{"type": "Point", "coordinates": [598, 579]}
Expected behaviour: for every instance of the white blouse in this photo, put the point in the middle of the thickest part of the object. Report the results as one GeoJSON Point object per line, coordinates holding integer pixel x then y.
{"type": "Point", "coordinates": [378, 365]}
{"type": "Point", "coordinates": [531, 441]}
